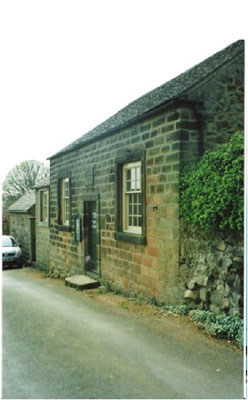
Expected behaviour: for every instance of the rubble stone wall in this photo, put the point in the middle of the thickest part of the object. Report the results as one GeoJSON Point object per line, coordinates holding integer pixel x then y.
{"type": "Point", "coordinates": [211, 270]}
{"type": "Point", "coordinates": [20, 228]}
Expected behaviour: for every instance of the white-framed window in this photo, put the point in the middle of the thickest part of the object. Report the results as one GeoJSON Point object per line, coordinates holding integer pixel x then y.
{"type": "Point", "coordinates": [44, 205]}
{"type": "Point", "coordinates": [132, 198]}
{"type": "Point", "coordinates": [65, 202]}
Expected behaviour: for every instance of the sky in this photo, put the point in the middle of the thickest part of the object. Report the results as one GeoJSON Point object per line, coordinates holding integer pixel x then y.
{"type": "Point", "coordinates": [66, 66]}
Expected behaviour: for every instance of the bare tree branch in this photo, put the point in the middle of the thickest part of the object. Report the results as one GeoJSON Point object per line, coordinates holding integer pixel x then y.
{"type": "Point", "coordinates": [21, 179]}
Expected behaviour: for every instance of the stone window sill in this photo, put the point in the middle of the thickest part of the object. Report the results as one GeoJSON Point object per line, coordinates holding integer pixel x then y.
{"type": "Point", "coordinates": [44, 224]}
{"type": "Point", "coordinates": [129, 237]}
{"type": "Point", "coordinates": [64, 228]}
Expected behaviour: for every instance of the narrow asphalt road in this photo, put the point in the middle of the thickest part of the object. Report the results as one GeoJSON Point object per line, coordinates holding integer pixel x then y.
{"type": "Point", "coordinates": [60, 344]}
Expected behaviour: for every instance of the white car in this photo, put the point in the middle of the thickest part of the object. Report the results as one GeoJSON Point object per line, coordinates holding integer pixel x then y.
{"type": "Point", "coordinates": [11, 252]}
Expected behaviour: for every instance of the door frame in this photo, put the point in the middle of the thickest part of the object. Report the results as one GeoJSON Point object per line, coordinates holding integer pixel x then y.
{"type": "Point", "coordinates": [96, 198]}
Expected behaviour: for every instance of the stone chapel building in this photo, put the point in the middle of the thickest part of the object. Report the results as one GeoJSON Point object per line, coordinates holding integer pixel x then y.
{"type": "Point", "coordinates": [113, 197]}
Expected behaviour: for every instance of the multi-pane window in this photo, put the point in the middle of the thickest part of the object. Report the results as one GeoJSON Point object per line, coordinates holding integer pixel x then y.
{"type": "Point", "coordinates": [65, 202]}
{"type": "Point", "coordinates": [132, 198]}
{"type": "Point", "coordinates": [44, 205]}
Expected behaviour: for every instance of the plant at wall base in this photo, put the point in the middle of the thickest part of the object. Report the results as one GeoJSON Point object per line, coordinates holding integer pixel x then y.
{"type": "Point", "coordinates": [212, 190]}
{"type": "Point", "coordinates": [182, 309]}
{"type": "Point", "coordinates": [219, 326]}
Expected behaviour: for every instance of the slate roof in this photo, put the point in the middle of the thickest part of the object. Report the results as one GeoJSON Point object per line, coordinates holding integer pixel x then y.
{"type": "Point", "coordinates": [163, 94]}
{"type": "Point", "coordinates": [42, 182]}
{"type": "Point", "coordinates": [23, 204]}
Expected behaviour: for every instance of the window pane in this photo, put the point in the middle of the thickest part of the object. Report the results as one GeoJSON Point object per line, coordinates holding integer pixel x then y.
{"type": "Point", "coordinates": [64, 202]}
{"type": "Point", "coordinates": [66, 210]}
{"type": "Point", "coordinates": [65, 188]}
{"type": "Point", "coordinates": [41, 206]}
{"type": "Point", "coordinates": [135, 221]}
{"type": "Point", "coordinates": [138, 178]}
{"type": "Point", "coordinates": [45, 205]}
{"type": "Point", "coordinates": [139, 221]}
{"type": "Point", "coordinates": [132, 170]}
{"type": "Point", "coordinates": [130, 208]}
{"type": "Point", "coordinates": [128, 186]}
{"type": "Point", "coordinates": [133, 174]}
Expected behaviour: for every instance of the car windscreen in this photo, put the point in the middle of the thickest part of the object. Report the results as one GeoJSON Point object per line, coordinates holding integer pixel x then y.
{"type": "Point", "coordinates": [8, 242]}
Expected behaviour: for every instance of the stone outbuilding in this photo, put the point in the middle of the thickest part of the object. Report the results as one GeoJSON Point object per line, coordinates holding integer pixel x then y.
{"type": "Point", "coordinates": [114, 210]}
{"type": "Point", "coordinates": [22, 224]}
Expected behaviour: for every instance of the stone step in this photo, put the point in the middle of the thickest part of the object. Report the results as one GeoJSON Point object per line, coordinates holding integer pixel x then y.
{"type": "Point", "coordinates": [81, 282]}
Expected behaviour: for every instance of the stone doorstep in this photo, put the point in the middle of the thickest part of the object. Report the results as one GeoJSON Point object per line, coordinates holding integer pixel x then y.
{"type": "Point", "coordinates": [81, 282]}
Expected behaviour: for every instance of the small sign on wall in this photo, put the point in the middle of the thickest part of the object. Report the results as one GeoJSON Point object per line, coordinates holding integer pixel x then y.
{"type": "Point", "coordinates": [78, 228]}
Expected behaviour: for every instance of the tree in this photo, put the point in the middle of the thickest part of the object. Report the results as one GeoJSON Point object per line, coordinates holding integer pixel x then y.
{"type": "Point", "coordinates": [21, 179]}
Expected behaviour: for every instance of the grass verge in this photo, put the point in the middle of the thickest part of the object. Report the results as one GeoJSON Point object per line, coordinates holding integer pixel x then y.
{"type": "Point", "coordinates": [217, 326]}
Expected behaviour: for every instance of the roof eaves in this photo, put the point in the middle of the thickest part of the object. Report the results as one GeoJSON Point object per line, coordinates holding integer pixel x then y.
{"type": "Point", "coordinates": [152, 112]}
{"type": "Point", "coordinates": [41, 186]}
{"type": "Point", "coordinates": [26, 211]}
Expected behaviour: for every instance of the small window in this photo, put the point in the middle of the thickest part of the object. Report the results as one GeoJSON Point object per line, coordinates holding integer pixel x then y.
{"type": "Point", "coordinates": [132, 198]}
{"type": "Point", "coordinates": [44, 206]}
{"type": "Point", "coordinates": [65, 202]}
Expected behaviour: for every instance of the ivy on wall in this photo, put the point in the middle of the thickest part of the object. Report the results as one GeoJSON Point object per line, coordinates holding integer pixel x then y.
{"type": "Point", "coordinates": [212, 190]}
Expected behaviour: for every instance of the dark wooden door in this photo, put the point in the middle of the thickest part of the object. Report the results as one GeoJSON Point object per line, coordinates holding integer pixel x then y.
{"type": "Point", "coordinates": [90, 227]}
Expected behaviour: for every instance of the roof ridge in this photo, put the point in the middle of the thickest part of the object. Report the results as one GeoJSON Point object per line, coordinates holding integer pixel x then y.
{"type": "Point", "coordinates": [162, 94]}
{"type": "Point", "coordinates": [24, 203]}
{"type": "Point", "coordinates": [241, 41]}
